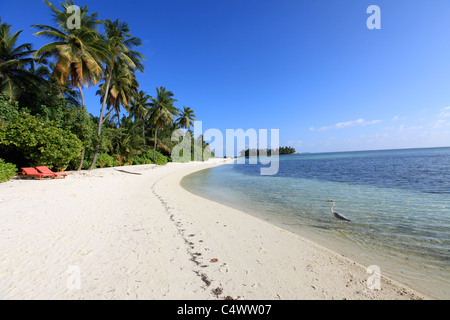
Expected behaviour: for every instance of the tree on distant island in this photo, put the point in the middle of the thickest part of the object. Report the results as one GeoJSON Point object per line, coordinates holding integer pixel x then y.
{"type": "Point", "coordinates": [267, 152]}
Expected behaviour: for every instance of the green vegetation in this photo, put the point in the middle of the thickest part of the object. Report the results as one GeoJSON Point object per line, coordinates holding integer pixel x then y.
{"type": "Point", "coordinates": [43, 115]}
{"type": "Point", "coordinates": [268, 152]}
{"type": "Point", "coordinates": [39, 142]}
{"type": "Point", "coordinates": [16, 64]}
{"type": "Point", "coordinates": [104, 160]}
{"type": "Point", "coordinates": [147, 158]}
{"type": "Point", "coordinates": [286, 150]}
{"type": "Point", "coordinates": [7, 171]}
{"type": "Point", "coordinates": [162, 111]}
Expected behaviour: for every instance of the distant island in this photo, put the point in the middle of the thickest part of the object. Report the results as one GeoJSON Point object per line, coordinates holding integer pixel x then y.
{"type": "Point", "coordinates": [267, 152]}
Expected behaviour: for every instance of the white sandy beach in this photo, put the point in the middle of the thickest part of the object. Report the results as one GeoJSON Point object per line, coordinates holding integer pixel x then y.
{"type": "Point", "coordinates": [143, 236]}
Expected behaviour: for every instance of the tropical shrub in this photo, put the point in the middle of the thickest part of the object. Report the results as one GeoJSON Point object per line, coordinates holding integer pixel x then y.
{"type": "Point", "coordinates": [104, 160]}
{"type": "Point", "coordinates": [40, 142]}
{"type": "Point", "coordinates": [143, 159]}
{"type": "Point", "coordinates": [147, 158]}
{"type": "Point", "coordinates": [160, 159]}
{"type": "Point", "coordinates": [8, 111]}
{"type": "Point", "coordinates": [7, 171]}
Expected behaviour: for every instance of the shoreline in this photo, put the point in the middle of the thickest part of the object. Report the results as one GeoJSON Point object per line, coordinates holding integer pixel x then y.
{"type": "Point", "coordinates": [355, 287]}
{"type": "Point", "coordinates": [159, 241]}
{"type": "Point", "coordinates": [391, 267]}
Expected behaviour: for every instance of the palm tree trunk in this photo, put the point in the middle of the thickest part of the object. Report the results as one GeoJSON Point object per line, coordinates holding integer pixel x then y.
{"type": "Point", "coordinates": [117, 111]}
{"type": "Point", "coordinates": [84, 106]}
{"type": "Point", "coordinates": [102, 112]}
{"type": "Point", "coordinates": [154, 145]}
{"type": "Point", "coordinates": [82, 160]}
{"type": "Point", "coordinates": [100, 123]}
{"type": "Point", "coordinates": [82, 95]}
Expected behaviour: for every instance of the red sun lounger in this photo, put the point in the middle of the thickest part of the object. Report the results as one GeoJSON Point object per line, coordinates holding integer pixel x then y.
{"type": "Point", "coordinates": [34, 174]}
{"type": "Point", "coordinates": [46, 170]}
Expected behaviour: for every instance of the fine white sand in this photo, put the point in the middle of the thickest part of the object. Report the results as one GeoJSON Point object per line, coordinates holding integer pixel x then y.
{"type": "Point", "coordinates": [108, 234]}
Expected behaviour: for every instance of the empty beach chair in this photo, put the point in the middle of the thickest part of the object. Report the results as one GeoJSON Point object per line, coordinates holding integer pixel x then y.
{"type": "Point", "coordinates": [34, 174]}
{"type": "Point", "coordinates": [46, 170]}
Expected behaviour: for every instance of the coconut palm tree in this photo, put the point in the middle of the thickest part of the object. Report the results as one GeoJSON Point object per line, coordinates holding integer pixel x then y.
{"type": "Point", "coordinates": [15, 64]}
{"type": "Point", "coordinates": [162, 112]}
{"type": "Point", "coordinates": [119, 43]}
{"type": "Point", "coordinates": [78, 53]}
{"type": "Point", "coordinates": [125, 142]}
{"type": "Point", "coordinates": [140, 109]}
{"type": "Point", "coordinates": [52, 86]}
{"type": "Point", "coordinates": [186, 118]}
{"type": "Point", "coordinates": [123, 88]}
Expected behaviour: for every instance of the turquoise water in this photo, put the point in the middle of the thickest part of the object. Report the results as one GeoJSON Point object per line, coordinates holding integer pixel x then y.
{"type": "Point", "coordinates": [398, 201]}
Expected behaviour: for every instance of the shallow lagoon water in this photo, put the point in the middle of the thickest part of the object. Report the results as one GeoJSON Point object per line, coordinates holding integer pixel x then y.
{"type": "Point", "coordinates": [398, 201]}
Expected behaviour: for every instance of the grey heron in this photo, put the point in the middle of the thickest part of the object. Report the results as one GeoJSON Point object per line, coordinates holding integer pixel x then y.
{"type": "Point", "coordinates": [338, 216]}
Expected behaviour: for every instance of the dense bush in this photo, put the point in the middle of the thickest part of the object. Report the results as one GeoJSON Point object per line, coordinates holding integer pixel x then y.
{"type": "Point", "coordinates": [8, 110]}
{"type": "Point", "coordinates": [7, 171]}
{"type": "Point", "coordinates": [147, 158]}
{"type": "Point", "coordinates": [104, 160]}
{"type": "Point", "coordinates": [40, 142]}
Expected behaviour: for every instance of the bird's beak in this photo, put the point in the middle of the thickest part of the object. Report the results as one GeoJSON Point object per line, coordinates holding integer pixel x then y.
{"type": "Point", "coordinates": [328, 201]}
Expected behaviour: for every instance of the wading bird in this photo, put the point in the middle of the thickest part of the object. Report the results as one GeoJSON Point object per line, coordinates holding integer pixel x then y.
{"type": "Point", "coordinates": [338, 216]}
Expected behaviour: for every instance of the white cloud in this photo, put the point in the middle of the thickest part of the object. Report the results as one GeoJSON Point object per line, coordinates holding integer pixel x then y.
{"type": "Point", "coordinates": [346, 124]}
{"type": "Point", "coordinates": [437, 124]}
{"type": "Point", "coordinates": [395, 118]}
{"type": "Point", "coordinates": [445, 112]}
{"type": "Point", "coordinates": [371, 122]}
{"type": "Point", "coordinates": [433, 125]}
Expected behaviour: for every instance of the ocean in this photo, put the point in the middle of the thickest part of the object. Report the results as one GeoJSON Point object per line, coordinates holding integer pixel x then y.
{"type": "Point", "coordinates": [398, 201]}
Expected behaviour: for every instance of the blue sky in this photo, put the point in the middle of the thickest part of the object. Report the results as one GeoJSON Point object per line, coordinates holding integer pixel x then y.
{"type": "Point", "coordinates": [311, 69]}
